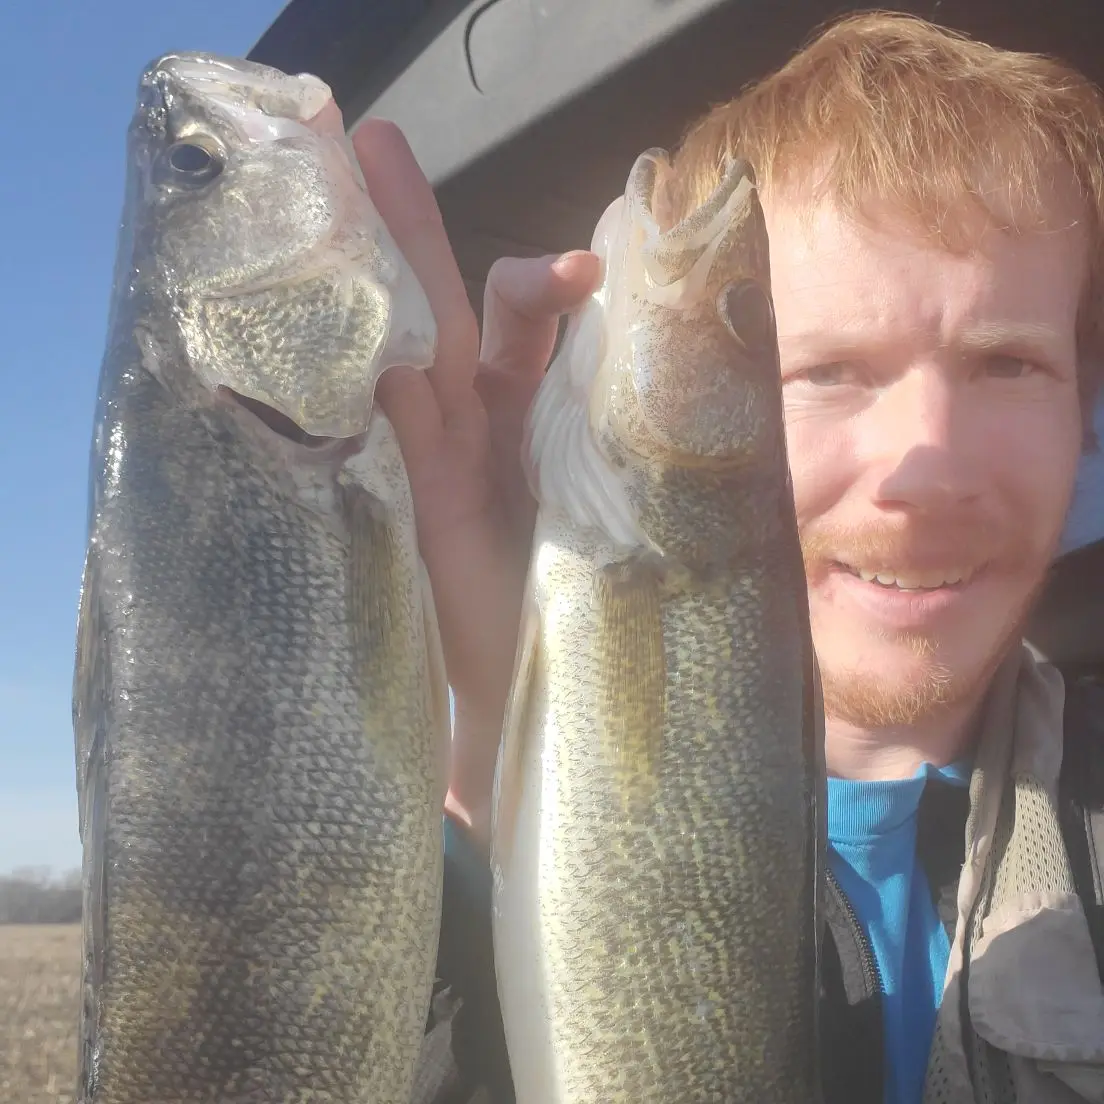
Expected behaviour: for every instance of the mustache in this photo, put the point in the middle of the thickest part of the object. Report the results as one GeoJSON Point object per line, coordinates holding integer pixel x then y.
{"type": "Point", "coordinates": [932, 543]}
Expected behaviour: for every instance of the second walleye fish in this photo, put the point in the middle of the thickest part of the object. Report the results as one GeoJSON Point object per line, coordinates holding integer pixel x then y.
{"type": "Point", "coordinates": [658, 825]}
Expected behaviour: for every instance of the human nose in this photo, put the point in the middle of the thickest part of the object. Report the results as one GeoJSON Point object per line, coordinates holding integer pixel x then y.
{"type": "Point", "coordinates": [919, 447]}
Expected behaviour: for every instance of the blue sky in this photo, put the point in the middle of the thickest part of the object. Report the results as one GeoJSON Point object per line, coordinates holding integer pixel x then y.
{"type": "Point", "coordinates": [71, 71]}
{"type": "Point", "coordinates": [71, 80]}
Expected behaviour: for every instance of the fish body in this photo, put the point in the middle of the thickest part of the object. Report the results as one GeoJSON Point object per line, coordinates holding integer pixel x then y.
{"type": "Point", "coordinates": [260, 706]}
{"type": "Point", "coordinates": [658, 825]}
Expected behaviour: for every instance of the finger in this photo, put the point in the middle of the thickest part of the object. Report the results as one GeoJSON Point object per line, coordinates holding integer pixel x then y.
{"type": "Point", "coordinates": [405, 200]}
{"type": "Point", "coordinates": [506, 397]}
{"type": "Point", "coordinates": [522, 304]}
{"type": "Point", "coordinates": [328, 120]}
{"type": "Point", "coordinates": [406, 396]}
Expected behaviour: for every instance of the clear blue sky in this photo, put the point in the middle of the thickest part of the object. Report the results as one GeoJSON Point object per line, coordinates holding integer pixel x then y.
{"type": "Point", "coordinates": [70, 80]}
{"type": "Point", "coordinates": [71, 70]}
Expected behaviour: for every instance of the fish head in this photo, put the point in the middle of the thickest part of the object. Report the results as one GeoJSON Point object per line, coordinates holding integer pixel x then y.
{"type": "Point", "coordinates": [254, 233]}
{"type": "Point", "coordinates": [690, 375]}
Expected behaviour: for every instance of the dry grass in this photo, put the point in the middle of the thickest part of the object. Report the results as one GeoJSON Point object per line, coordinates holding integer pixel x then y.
{"type": "Point", "coordinates": [39, 987]}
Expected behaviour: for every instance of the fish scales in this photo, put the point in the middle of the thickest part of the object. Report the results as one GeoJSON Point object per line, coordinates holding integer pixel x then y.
{"type": "Point", "coordinates": [259, 705]}
{"type": "Point", "coordinates": [658, 825]}
{"type": "Point", "coordinates": [706, 995]}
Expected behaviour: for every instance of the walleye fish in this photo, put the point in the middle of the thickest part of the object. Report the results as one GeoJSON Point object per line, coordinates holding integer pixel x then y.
{"type": "Point", "coordinates": [260, 705]}
{"type": "Point", "coordinates": [658, 825]}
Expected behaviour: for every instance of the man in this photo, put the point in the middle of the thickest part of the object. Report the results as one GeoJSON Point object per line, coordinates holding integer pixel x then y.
{"type": "Point", "coordinates": [935, 210]}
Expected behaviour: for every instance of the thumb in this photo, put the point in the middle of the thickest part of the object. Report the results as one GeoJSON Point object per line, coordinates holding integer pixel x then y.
{"type": "Point", "coordinates": [522, 304]}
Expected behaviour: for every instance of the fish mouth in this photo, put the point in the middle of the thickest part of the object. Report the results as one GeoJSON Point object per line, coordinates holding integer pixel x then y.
{"type": "Point", "coordinates": [678, 258]}
{"type": "Point", "coordinates": [263, 103]}
{"type": "Point", "coordinates": [277, 421]}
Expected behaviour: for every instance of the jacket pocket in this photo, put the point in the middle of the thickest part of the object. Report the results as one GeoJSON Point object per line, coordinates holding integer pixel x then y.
{"type": "Point", "coordinates": [1034, 990]}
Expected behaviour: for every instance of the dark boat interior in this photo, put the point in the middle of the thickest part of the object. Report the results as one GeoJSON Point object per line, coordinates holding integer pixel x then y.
{"type": "Point", "coordinates": [526, 116]}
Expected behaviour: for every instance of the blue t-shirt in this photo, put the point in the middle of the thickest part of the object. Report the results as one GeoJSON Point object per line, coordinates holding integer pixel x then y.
{"type": "Point", "coordinates": [872, 853]}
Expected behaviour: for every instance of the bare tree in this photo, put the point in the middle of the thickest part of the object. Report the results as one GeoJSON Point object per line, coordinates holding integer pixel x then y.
{"type": "Point", "coordinates": [33, 895]}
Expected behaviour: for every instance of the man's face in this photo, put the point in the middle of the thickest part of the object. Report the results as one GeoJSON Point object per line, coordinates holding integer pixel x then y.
{"type": "Point", "coordinates": [934, 432]}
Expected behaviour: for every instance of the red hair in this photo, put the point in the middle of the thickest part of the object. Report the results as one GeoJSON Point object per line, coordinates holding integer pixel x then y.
{"type": "Point", "coordinates": [888, 110]}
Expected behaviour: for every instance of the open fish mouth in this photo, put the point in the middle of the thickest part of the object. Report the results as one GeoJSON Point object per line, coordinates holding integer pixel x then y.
{"type": "Point", "coordinates": [277, 421]}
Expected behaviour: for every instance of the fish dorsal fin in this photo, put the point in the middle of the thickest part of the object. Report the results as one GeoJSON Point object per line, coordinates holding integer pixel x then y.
{"type": "Point", "coordinates": [568, 471]}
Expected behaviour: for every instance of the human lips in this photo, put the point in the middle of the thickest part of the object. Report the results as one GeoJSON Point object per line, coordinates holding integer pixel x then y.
{"type": "Point", "coordinates": [937, 578]}
{"type": "Point", "coordinates": [908, 597]}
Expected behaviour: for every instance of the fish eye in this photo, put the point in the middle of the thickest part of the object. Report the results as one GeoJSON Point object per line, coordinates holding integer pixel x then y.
{"type": "Point", "coordinates": [747, 311]}
{"type": "Point", "coordinates": [191, 163]}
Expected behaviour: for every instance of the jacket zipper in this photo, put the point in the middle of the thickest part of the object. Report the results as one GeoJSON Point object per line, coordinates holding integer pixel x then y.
{"type": "Point", "coordinates": [871, 974]}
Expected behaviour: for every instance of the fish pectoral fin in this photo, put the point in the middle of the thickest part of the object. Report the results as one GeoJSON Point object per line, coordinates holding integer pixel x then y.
{"type": "Point", "coordinates": [88, 678]}
{"type": "Point", "coordinates": [515, 730]}
{"type": "Point", "coordinates": [567, 468]}
{"type": "Point", "coordinates": [632, 674]}
{"type": "Point", "coordinates": [90, 703]}
{"type": "Point", "coordinates": [437, 677]}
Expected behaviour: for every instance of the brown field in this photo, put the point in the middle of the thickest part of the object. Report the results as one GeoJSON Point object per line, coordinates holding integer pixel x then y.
{"type": "Point", "coordinates": [39, 986]}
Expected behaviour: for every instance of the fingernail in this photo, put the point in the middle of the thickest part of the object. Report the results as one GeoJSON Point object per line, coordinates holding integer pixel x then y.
{"type": "Point", "coordinates": [563, 264]}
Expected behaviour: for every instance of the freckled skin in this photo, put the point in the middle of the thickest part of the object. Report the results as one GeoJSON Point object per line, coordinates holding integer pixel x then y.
{"type": "Point", "coordinates": [916, 446]}
{"type": "Point", "coordinates": [259, 728]}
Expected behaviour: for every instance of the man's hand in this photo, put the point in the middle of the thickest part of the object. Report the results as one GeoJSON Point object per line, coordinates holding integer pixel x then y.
{"type": "Point", "coordinates": [460, 428]}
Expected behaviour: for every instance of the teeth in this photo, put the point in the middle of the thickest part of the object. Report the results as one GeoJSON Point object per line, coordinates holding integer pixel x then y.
{"type": "Point", "coordinates": [928, 580]}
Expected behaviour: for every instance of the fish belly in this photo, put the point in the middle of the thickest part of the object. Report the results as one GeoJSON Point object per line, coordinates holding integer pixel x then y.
{"type": "Point", "coordinates": [260, 780]}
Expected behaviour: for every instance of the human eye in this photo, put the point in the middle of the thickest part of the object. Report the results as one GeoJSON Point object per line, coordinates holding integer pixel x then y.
{"type": "Point", "coordinates": [1008, 366]}
{"type": "Point", "coordinates": [833, 374]}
